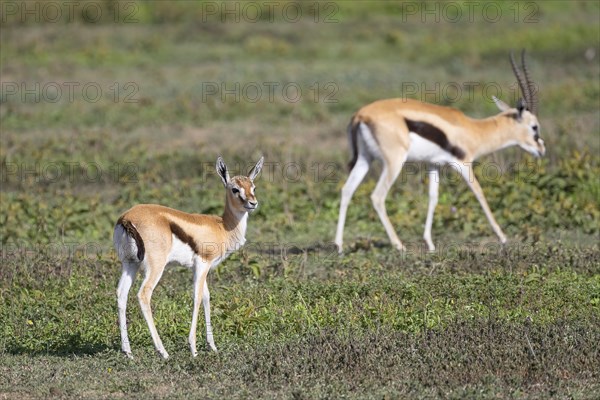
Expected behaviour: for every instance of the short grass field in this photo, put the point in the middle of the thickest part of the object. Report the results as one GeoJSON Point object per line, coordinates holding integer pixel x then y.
{"type": "Point", "coordinates": [107, 104]}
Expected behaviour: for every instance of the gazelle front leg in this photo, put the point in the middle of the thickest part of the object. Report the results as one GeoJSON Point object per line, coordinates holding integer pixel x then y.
{"type": "Point", "coordinates": [210, 342]}
{"type": "Point", "coordinates": [466, 171]}
{"type": "Point", "coordinates": [200, 287]}
{"type": "Point", "coordinates": [434, 184]}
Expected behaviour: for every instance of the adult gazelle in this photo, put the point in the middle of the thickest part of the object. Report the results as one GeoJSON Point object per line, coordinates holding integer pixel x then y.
{"type": "Point", "coordinates": [399, 130]}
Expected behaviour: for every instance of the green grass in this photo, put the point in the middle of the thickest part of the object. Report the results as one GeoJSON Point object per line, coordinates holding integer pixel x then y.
{"type": "Point", "coordinates": [292, 319]}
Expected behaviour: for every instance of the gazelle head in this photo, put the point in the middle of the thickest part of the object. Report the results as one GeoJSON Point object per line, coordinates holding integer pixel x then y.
{"type": "Point", "coordinates": [240, 189]}
{"type": "Point", "coordinates": [527, 126]}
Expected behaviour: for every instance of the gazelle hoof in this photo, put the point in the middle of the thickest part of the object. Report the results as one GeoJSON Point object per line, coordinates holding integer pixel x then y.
{"type": "Point", "coordinates": [211, 347]}
{"type": "Point", "coordinates": [340, 249]}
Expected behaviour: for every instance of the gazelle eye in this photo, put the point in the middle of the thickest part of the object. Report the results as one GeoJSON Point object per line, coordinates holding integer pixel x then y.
{"type": "Point", "coordinates": [235, 190]}
{"type": "Point", "coordinates": [536, 135]}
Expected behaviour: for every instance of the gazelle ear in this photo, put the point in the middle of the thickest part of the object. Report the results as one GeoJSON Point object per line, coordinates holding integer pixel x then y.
{"type": "Point", "coordinates": [222, 170]}
{"type": "Point", "coordinates": [500, 104]}
{"type": "Point", "coordinates": [256, 169]}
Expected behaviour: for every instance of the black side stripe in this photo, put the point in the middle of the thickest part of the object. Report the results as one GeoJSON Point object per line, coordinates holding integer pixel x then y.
{"type": "Point", "coordinates": [435, 135]}
{"type": "Point", "coordinates": [184, 237]}
{"type": "Point", "coordinates": [132, 232]}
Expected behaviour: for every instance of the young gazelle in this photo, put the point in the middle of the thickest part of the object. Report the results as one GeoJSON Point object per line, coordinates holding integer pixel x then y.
{"type": "Point", "coordinates": [397, 130]}
{"type": "Point", "coordinates": [152, 236]}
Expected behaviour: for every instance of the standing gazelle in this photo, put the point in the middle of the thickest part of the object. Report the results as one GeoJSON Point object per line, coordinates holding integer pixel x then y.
{"type": "Point", "coordinates": [397, 130]}
{"type": "Point", "coordinates": [152, 236]}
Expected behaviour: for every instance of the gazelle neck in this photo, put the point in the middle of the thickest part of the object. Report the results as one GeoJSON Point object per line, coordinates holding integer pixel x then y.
{"type": "Point", "coordinates": [235, 223]}
{"type": "Point", "coordinates": [494, 133]}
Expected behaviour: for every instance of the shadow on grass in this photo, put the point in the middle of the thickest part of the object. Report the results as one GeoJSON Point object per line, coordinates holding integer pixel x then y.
{"type": "Point", "coordinates": [319, 247]}
{"type": "Point", "coordinates": [285, 249]}
{"type": "Point", "coordinates": [73, 345]}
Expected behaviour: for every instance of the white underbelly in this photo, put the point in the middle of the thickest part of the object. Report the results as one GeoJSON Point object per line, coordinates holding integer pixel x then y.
{"type": "Point", "coordinates": [425, 150]}
{"type": "Point", "coordinates": [181, 253]}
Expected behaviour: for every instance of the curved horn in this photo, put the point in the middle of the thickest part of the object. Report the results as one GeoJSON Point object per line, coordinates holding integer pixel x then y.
{"type": "Point", "coordinates": [532, 101]}
{"type": "Point", "coordinates": [520, 79]}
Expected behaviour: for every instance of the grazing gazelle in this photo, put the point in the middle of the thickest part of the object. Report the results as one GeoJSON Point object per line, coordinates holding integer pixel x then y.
{"type": "Point", "coordinates": [397, 130]}
{"type": "Point", "coordinates": [152, 236]}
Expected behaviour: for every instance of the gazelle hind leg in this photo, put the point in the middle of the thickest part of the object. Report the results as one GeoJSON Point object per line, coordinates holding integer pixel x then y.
{"type": "Point", "coordinates": [127, 276]}
{"type": "Point", "coordinates": [391, 170]}
{"type": "Point", "coordinates": [151, 279]}
{"type": "Point", "coordinates": [434, 183]}
{"type": "Point", "coordinates": [356, 176]}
